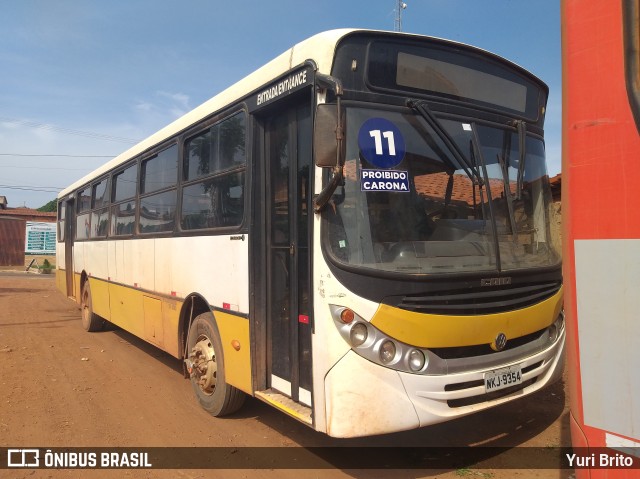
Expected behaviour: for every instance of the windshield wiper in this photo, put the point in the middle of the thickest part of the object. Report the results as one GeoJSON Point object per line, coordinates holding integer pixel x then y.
{"type": "Point", "coordinates": [504, 168]}
{"type": "Point", "coordinates": [423, 108]}
{"type": "Point", "coordinates": [477, 152]}
{"type": "Point", "coordinates": [522, 140]}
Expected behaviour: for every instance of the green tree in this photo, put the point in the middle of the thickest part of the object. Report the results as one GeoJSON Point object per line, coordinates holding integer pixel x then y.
{"type": "Point", "coordinates": [49, 207]}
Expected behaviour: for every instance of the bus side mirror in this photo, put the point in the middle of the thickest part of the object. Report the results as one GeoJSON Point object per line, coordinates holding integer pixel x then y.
{"type": "Point", "coordinates": [328, 136]}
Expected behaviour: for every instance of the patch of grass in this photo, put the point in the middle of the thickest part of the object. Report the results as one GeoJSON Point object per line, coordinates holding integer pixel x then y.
{"type": "Point", "coordinates": [466, 472]}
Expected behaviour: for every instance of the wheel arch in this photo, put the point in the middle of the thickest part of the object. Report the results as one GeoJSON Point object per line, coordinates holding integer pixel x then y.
{"type": "Point", "coordinates": [84, 277]}
{"type": "Point", "coordinates": [193, 305]}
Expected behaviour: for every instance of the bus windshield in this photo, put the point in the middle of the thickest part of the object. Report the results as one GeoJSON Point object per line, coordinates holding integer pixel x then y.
{"type": "Point", "coordinates": [407, 206]}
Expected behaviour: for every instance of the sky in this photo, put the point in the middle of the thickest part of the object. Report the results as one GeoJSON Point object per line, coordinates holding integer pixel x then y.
{"type": "Point", "coordinates": [81, 81]}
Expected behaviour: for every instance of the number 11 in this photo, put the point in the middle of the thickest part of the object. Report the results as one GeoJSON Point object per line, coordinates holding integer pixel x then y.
{"type": "Point", "coordinates": [377, 137]}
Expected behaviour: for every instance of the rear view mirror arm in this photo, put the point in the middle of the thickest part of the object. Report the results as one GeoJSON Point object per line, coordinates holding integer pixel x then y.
{"type": "Point", "coordinates": [320, 201]}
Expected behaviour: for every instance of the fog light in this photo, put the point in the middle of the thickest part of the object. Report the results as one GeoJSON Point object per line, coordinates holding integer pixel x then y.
{"type": "Point", "coordinates": [553, 333]}
{"type": "Point", "coordinates": [416, 360]}
{"type": "Point", "coordinates": [358, 334]}
{"type": "Point", "coordinates": [387, 351]}
{"type": "Point", "coordinates": [556, 328]}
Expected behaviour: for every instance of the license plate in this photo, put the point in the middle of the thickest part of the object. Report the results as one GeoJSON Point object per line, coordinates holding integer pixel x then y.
{"type": "Point", "coordinates": [502, 378]}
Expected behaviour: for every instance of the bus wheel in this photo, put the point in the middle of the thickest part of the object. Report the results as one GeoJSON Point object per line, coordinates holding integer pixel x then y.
{"type": "Point", "coordinates": [206, 368]}
{"type": "Point", "coordinates": [90, 321]}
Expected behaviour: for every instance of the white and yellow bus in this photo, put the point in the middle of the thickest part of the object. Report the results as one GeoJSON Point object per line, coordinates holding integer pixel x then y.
{"type": "Point", "coordinates": [357, 233]}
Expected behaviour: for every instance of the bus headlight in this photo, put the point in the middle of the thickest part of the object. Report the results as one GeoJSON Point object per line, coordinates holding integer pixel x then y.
{"type": "Point", "coordinates": [358, 334]}
{"type": "Point", "coordinates": [369, 342]}
{"type": "Point", "coordinates": [416, 360]}
{"type": "Point", "coordinates": [387, 352]}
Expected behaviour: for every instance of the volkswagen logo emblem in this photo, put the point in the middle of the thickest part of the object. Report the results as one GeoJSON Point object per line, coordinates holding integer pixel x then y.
{"type": "Point", "coordinates": [500, 342]}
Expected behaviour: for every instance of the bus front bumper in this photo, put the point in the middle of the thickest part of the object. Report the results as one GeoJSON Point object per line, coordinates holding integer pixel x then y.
{"type": "Point", "coordinates": [363, 398]}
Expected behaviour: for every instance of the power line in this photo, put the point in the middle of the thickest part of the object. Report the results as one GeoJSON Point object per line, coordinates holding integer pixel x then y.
{"type": "Point", "coordinates": [56, 155]}
{"type": "Point", "coordinates": [42, 189]}
{"type": "Point", "coordinates": [46, 168]}
{"type": "Point", "coordinates": [69, 131]}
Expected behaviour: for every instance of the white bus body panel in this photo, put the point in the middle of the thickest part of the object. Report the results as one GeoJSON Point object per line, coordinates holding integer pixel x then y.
{"type": "Point", "coordinates": [173, 267]}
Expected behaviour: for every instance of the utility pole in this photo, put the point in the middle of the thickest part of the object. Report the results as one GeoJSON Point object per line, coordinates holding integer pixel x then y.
{"type": "Point", "coordinates": [400, 5]}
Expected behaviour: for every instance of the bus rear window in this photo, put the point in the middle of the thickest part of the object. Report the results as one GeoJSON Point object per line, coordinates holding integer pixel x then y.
{"type": "Point", "coordinates": [457, 75]}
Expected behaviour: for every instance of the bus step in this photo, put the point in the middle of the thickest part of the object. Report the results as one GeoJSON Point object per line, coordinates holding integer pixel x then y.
{"type": "Point", "coordinates": [294, 409]}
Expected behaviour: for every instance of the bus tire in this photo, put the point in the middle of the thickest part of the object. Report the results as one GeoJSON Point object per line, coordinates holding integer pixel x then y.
{"type": "Point", "coordinates": [90, 321]}
{"type": "Point", "coordinates": [206, 369]}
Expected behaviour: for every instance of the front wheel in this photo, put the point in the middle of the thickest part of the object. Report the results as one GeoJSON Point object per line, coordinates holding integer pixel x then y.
{"type": "Point", "coordinates": [90, 321]}
{"type": "Point", "coordinates": [206, 368]}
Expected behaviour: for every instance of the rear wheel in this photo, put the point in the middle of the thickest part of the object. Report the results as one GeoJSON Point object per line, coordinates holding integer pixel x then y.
{"type": "Point", "coordinates": [90, 321]}
{"type": "Point", "coordinates": [206, 368]}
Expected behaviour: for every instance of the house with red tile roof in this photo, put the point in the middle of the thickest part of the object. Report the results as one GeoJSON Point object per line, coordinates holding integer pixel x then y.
{"type": "Point", "coordinates": [28, 214]}
{"type": "Point", "coordinates": [13, 228]}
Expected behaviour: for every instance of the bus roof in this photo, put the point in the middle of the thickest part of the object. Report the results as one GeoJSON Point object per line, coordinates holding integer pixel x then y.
{"type": "Point", "coordinates": [320, 48]}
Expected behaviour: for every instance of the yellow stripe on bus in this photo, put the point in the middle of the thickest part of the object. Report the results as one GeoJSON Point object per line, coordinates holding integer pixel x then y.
{"type": "Point", "coordinates": [100, 298]}
{"type": "Point", "coordinates": [61, 281]}
{"type": "Point", "coordinates": [236, 347]}
{"type": "Point", "coordinates": [155, 318]}
{"type": "Point", "coordinates": [440, 331]}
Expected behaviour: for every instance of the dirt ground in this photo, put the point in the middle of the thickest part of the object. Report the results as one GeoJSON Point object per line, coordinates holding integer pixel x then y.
{"type": "Point", "coordinates": [61, 386]}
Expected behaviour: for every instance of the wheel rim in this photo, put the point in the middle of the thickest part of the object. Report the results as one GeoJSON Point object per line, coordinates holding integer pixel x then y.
{"type": "Point", "coordinates": [205, 368]}
{"type": "Point", "coordinates": [85, 308]}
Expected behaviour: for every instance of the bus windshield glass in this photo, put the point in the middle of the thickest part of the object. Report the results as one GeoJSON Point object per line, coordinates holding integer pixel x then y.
{"type": "Point", "coordinates": [407, 206]}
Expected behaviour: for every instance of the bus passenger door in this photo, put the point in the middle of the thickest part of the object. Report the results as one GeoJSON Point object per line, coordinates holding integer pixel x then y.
{"type": "Point", "coordinates": [70, 222]}
{"type": "Point", "coordinates": [287, 146]}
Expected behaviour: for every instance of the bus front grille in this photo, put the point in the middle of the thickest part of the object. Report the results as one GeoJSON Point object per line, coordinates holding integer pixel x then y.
{"type": "Point", "coordinates": [471, 401]}
{"type": "Point", "coordinates": [481, 398]}
{"type": "Point", "coordinates": [479, 300]}
{"type": "Point", "coordinates": [461, 352]}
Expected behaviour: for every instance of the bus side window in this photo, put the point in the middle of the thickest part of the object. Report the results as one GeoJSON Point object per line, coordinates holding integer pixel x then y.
{"type": "Point", "coordinates": [123, 212]}
{"type": "Point", "coordinates": [213, 203]}
{"type": "Point", "coordinates": [83, 218]}
{"type": "Point", "coordinates": [216, 155]}
{"type": "Point", "coordinates": [100, 214]}
{"type": "Point", "coordinates": [158, 211]}
{"type": "Point", "coordinates": [61, 221]}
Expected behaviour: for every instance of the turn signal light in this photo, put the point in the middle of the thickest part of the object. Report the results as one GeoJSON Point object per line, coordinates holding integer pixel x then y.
{"type": "Point", "coordinates": [347, 316]}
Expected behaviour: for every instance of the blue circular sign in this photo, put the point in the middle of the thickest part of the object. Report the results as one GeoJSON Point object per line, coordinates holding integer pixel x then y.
{"type": "Point", "coordinates": [381, 143]}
